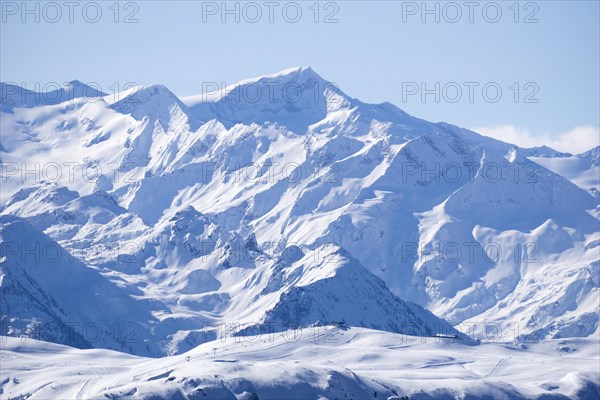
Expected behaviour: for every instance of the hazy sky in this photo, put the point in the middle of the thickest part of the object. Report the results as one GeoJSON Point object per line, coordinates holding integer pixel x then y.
{"type": "Point", "coordinates": [543, 56]}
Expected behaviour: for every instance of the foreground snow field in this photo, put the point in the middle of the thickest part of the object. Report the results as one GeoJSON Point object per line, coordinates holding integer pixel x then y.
{"type": "Point", "coordinates": [328, 363]}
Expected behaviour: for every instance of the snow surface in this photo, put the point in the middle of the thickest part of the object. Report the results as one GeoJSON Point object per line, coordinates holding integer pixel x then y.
{"type": "Point", "coordinates": [323, 363]}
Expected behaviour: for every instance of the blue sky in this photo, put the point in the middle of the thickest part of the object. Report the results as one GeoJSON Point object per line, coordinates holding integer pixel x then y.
{"type": "Point", "coordinates": [376, 51]}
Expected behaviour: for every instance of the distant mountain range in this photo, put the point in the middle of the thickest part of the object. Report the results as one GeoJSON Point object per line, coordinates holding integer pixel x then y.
{"type": "Point", "coordinates": [140, 222]}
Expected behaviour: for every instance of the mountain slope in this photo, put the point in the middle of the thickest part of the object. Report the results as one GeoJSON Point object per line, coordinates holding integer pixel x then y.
{"type": "Point", "coordinates": [47, 294]}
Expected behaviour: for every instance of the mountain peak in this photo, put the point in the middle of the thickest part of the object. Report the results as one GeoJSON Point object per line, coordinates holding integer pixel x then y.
{"type": "Point", "coordinates": [75, 82]}
{"type": "Point", "coordinates": [15, 96]}
{"type": "Point", "coordinates": [131, 100]}
{"type": "Point", "coordinates": [288, 73]}
{"type": "Point", "coordinates": [155, 102]}
{"type": "Point", "coordinates": [592, 155]}
{"type": "Point", "coordinates": [545, 151]}
{"type": "Point", "coordinates": [296, 75]}
{"type": "Point", "coordinates": [76, 89]}
{"type": "Point", "coordinates": [295, 97]}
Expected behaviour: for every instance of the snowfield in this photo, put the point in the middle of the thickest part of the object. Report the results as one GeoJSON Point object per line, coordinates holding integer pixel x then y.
{"type": "Point", "coordinates": [136, 226]}
{"type": "Point", "coordinates": [325, 363]}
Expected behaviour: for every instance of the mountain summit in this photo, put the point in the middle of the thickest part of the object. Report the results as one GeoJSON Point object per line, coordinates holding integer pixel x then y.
{"type": "Point", "coordinates": [296, 98]}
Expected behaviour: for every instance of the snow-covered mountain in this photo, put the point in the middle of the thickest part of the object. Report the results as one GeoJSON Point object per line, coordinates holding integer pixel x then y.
{"type": "Point", "coordinates": [282, 203]}
{"type": "Point", "coordinates": [14, 96]}
{"type": "Point", "coordinates": [581, 169]}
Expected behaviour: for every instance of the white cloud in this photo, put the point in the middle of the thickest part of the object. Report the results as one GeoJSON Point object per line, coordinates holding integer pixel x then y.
{"type": "Point", "coordinates": [577, 140]}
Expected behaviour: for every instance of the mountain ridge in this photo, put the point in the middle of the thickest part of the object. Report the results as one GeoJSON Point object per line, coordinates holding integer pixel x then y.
{"type": "Point", "coordinates": [192, 208]}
